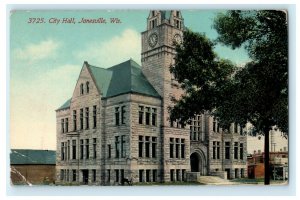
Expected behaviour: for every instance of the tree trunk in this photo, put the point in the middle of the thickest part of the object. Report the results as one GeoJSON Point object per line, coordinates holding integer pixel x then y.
{"type": "Point", "coordinates": [267, 158]}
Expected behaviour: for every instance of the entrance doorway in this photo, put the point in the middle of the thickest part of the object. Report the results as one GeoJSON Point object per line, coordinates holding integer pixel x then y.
{"type": "Point", "coordinates": [198, 163]}
{"type": "Point", "coordinates": [85, 176]}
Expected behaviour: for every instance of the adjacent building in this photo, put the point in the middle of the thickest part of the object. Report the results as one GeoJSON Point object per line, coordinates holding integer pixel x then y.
{"type": "Point", "coordinates": [116, 124]}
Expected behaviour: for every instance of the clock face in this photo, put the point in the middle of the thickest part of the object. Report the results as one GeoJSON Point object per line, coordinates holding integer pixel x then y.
{"type": "Point", "coordinates": [152, 40]}
{"type": "Point", "coordinates": [177, 39]}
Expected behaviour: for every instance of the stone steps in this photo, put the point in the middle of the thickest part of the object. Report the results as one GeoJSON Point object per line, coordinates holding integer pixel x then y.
{"type": "Point", "coordinates": [214, 180]}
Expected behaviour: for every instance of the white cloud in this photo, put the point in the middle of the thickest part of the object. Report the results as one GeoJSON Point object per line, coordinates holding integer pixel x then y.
{"type": "Point", "coordinates": [36, 52]}
{"type": "Point", "coordinates": [108, 53]}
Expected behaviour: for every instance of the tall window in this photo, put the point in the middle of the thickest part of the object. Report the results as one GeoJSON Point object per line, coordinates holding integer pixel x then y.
{"type": "Point", "coordinates": [62, 151]}
{"type": "Point", "coordinates": [177, 147]}
{"type": "Point", "coordinates": [235, 128]}
{"type": "Point", "coordinates": [214, 149]}
{"type": "Point", "coordinates": [241, 130]}
{"type": "Point", "coordinates": [81, 118]}
{"type": "Point", "coordinates": [154, 175]}
{"type": "Point", "coordinates": [218, 150]}
{"type": "Point", "coordinates": [94, 148]}
{"type": "Point", "coordinates": [81, 149]}
{"type": "Point", "coordinates": [87, 118]}
{"type": "Point", "coordinates": [153, 116]}
{"type": "Point", "coordinates": [81, 89]}
{"type": "Point", "coordinates": [148, 175]}
{"type": "Point", "coordinates": [62, 174]}
{"type": "Point", "coordinates": [94, 116]}
{"type": "Point", "coordinates": [67, 125]}
{"type": "Point", "coordinates": [68, 150]}
{"type": "Point", "coordinates": [94, 175]}
{"type": "Point", "coordinates": [147, 146]}
{"type": "Point", "coordinates": [241, 151]}
{"type": "Point", "coordinates": [123, 114]}
{"type": "Point", "coordinates": [227, 150]}
{"type": "Point", "coordinates": [141, 146]}
{"type": "Point", "coordinates": [117, 147]}
{"type": "Point", "coordinates": [123, 152]}
{"type": "Point", "coordinates": [141, 114]}
{"type": "Point", "coordinates": [171, 147]}
{"type": "Point", "coordinates": [87, 149]}
{"type": "Point", "coordinates": [147, 116]}
{"type": "Point", "coordinates": [74, 175]}
{"type": "Point", "coordinates": [117, 116]}
{"type": "Point", "coordinates": [141, 174]}
{"type": "Point", "coordinates": [182, 148]}
{"type": "Point", "coordinates": [73, 149]}
{"type": "Point", "coordinates": [236, 149]}
{"type": "Point", "coordinates": [62, 125]}
{"type": "Point", "coordinates": [74, 120]}
{"type": "Point", "coordinates": [154, 145]}
{"type": "Point", "coordinates": [117, 175]}
{"type": "Point", "coordinates": [214, 125]}
{"type": "Point", "coordinates": [172, 175]}
{"type": "Point", "coordinates": [87, 87]}
{"type": "Point", "coordinates": [109, 150]}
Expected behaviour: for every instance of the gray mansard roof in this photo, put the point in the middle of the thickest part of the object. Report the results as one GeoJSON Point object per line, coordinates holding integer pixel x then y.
{"type": "Point", "coordinates": [126, 77]}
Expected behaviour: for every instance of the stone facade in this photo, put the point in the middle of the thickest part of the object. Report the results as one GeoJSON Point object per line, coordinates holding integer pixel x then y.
{"type": "Point", "coordinates": [102, 140]}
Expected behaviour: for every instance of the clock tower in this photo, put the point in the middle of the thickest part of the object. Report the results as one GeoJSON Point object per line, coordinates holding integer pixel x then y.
{"type": "Point", "coordinates": [164, 28]}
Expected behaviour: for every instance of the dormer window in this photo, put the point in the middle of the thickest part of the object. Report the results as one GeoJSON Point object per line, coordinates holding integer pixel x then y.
{"type": "Point", "coordinates": [177, 13]}
{"type": "Point", "coordinates": [81, 89]}
{"type": "Point", "coordinates": [87, 87]}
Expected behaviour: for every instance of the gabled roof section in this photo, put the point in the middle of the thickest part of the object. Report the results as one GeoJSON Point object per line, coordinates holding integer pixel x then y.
{"type": "Point", "coordinates": [65, 105]}
{"type": "Point", "coordinates": [126, 77]}
{"type": "Point", "coordinates": [31, 157]}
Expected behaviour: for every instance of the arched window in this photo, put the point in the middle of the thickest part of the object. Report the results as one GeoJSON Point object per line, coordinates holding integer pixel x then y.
{"type": "Point", "coordinates": [81, 89]}
{"type": "Point", "coordinates": [87, 87]}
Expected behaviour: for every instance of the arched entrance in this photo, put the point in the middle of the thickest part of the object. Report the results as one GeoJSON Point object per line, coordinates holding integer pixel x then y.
{"type": "Point", "coordinates": [195, 160]}
{"type": "Point", "coordinates": [198, 163]}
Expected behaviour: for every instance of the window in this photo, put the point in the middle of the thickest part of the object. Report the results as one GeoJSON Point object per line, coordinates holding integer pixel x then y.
{"type": "Point", "coordinates": [177, 147]}
{"type": "Point", "coordinates": [141, 174]}
{"type": "Point", "coordinates": [241, 130]}
{"type": "Point", "coordinates": [171, 147]}
{"type": "Point", "coordinates": [227, 150]}
{"type": "Point", "coordinates": [81, 118]}
{"type": "Point", "coordinates": [154, 175]}
{"type": "Point", "coordinates": [117, 146]}
{"type": "Point", "coordinates": [94, 148]}
{"type": "Point", "coordinates": [94, 116]}
{"type": "Point", "coordinates": [62, 151]}
{"type": "Point", "coordinates": [235, 128]}
{"type": "Point", "coordinates": [108, 175]}
{"type": "Point", "coordinates": [172, 175]}
{"type": "Point", "coordinates": [214, 125]}
{"type": "Point", "coordinates": [87, 118]}
{"type": "Point", "coordinates": [196, 128]}
{"type": "Point", "coordinates": [123, 152]}
{"type": "Point", "coordinates": [147, 116]}
{"type": "Point", "coordinates": [68, 150]}
{"type": "Point", "coordinates": [141, 141]}
{"type": "Point", "coordinates": [68, 175]}
{"type": "Point", "coordinates": [87, 87]}
{"type": "Point", "coordinates": [81, 149]}
{"type": "Point", "coordinates": [147, 146]}
{"type": "Point", "coordinates": [62, 125]}
{"type": "Point", "coordinates": [141, 114]}
{"type": "Point", "coordinates": [236, 148]}
{"type": "Point", "coordinates": [177, 174]}
{"type": "Point", "coordinates": [123, 114]}
{"type": "Point", "coordinates": [241, 151]}
{"type": "Point", "coordinates": [214, 149]}
{"type": "Point", "coordinates": [62, 174]}
{"type": "Point", "coordinates": [81, 89]}
{"type": "Point", "coordinates": [74, 120]}
{"type": "Point", "coordinates": [73, 175]}
{"type": "Point", "coordinates": [94, 175]}
{"type": "Point", "coordinates": [182, 148]}
{"type": "Point", "coordinates": [87, 150]}
{"type": "Point", "coordinates": [73, 149]}
{"type": "Point", "coordinates": [117, 175]}
{"type": "Point", "coordinates": [122, 174]}
{"type": "Point", "coordinates": [109, 150]}
{"type": "Point", "coordinates": [218, 127]}
{"type": "Point", "coordinates": [153, 116]}
{"type": "Point", "coordinates": [117, 116]}
{"type": "Point", "coordinates": [218, 150]}
{"type": "Point", "coordinates": [66, 154]}
{"type": "Point", "coordinates": [154, 144]}
{"type": "Point", "coordinates": [67, 125]}
{"type": "Point", "coordinates": [183, 174]}
{"type": "Point", "coordinates": [148, 175]}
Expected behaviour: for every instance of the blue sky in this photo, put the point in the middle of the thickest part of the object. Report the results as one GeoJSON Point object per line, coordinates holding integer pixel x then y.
{"type": "Point", "coordinates": [45, 61]}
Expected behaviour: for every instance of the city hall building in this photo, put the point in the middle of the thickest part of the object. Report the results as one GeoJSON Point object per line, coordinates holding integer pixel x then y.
{"type": "Point", "coordinates": [116, 125]}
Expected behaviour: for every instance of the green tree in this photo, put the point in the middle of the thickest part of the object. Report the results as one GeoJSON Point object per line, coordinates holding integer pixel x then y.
{"type": "Point", "coordinates": [256, 93]}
